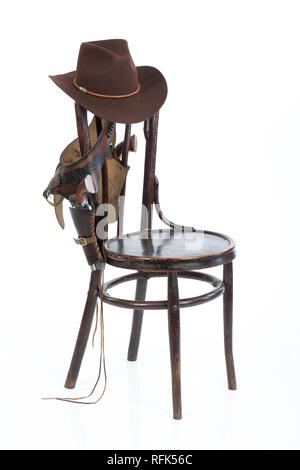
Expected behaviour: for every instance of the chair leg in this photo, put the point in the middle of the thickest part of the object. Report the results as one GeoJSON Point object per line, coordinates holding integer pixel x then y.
{"type": "Point", "coordinates": [84, 330]}
{"type": "Point", "coordinates": [228, 320]}
{"type": "Point", "coordinates": [137, 321]}
{"type": "Point", "coordinates": [174, 337]}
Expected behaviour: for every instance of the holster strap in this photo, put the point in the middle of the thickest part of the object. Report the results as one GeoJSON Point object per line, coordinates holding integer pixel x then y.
{"type": "Point", "coordinates": [83, 241]}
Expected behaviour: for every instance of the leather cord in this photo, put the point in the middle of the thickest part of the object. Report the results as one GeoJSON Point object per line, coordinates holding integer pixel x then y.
{"type": "Point", "coordinates": [78, 400]}
{"type": "Point", "coordinates": [84, 90]}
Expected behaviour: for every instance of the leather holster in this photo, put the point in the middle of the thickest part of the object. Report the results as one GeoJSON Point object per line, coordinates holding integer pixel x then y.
{"type": "Point", "coordinates": [84, 221]}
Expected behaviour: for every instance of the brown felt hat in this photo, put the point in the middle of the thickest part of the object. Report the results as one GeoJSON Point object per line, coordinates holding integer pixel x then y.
{"type": "Point", "coordinates": [108, 84]}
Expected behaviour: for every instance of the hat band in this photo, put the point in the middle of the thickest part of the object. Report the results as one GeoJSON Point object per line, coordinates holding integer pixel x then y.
{"type": "Point", "coordinates": [84, 90]}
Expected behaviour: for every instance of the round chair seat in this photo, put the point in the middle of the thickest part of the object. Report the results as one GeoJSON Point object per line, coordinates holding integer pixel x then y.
{"type": "Point", "coordinates": [169, 250]}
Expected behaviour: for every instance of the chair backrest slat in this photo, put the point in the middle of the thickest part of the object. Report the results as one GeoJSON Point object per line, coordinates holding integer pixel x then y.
{"type": "Point", "coordinates": [150, 131]}
{"type": "Point", "coordinates": [82, 129]}
{"type": "Point", "coordinates": [125, 152]}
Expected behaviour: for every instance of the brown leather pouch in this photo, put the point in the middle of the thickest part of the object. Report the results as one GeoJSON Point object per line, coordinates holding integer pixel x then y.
{"type": "Point", "coordinates": [84, 221]}
{"type": "Point", "coordinates": [117, 173]}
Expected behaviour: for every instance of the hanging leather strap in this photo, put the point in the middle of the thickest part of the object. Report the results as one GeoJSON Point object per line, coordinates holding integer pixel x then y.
{"type": "Point", "coordinates": [83, 241]}
{"type": "Point", "coordinates": [102, 366]}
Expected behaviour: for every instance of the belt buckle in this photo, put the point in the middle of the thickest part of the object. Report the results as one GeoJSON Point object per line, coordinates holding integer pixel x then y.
{"type": "Point", "coordinates": [81, 241]}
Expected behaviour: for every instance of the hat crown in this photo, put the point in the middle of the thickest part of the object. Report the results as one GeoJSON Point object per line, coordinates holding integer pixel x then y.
{"type": "Point", "coordinates": [106, 68]}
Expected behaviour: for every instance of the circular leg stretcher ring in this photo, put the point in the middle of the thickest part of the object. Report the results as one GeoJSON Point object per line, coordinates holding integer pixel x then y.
{"type": "Point", "coordinates": [163, 304]}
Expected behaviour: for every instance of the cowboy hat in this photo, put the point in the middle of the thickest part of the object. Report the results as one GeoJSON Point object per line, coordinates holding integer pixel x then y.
{"type": "Point", "coordinates": [108, 84]}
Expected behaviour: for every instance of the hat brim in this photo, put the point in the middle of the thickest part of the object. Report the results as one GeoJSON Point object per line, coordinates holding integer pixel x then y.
{"type": "Point", "coordinates": [135, 108]}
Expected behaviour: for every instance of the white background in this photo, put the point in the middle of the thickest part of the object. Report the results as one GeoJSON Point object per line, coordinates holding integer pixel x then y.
{"type": "Point", "coordinates": [228, 160]}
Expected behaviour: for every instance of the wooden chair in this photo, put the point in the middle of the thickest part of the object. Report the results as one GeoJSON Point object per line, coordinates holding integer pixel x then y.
{"type": "Point", "coordinates": [157, 253]}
